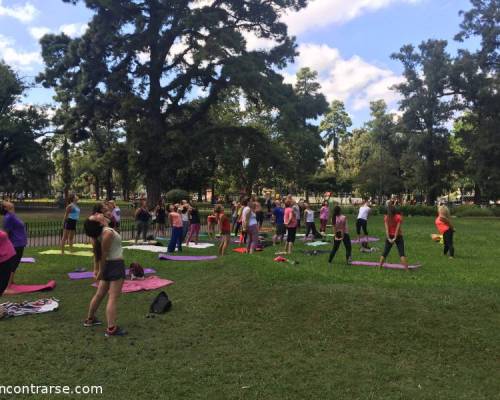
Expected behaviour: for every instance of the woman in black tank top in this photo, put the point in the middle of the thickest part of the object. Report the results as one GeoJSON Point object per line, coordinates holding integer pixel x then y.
{"type": "Point", "coordinates": [161, 218]}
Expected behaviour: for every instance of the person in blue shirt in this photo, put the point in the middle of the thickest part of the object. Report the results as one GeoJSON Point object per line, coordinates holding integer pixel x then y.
{"type": "Point", "coordinates": [279, 221]}
{"type": "Point", "coordinates": [71, 217]}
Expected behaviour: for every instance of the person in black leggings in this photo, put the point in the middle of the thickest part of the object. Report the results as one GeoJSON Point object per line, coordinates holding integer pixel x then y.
{"type": "Point", "coordinates": [7, 261]}
{"type": "Point", "coordinates": [394, 234]}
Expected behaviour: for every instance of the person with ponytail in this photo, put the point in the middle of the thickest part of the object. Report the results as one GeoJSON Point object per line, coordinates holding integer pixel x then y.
{"type": "Point", "coordinates": [109, 270]}
{"type": "Point", "coordinates": [446, 228]}
{"type": "Point", "coordinates": [394, 234]}
{"type": "Point", "coordinates": [341, 234]}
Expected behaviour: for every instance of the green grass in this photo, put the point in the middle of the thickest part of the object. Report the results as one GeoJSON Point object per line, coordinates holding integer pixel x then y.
{"type": "Point", "coordinates": [244, 327]}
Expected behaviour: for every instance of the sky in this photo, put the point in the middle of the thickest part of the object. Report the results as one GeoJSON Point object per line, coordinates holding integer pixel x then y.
{"type": "Point", "coordinates": [348, 42]}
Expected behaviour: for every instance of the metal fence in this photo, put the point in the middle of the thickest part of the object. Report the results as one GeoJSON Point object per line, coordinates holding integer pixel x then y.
{"type": "Point", "coordinates": [49, 233]}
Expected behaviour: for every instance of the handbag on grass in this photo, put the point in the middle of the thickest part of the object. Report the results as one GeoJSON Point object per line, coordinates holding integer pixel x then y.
{"type": "Point", "coordinates": [160, 304]}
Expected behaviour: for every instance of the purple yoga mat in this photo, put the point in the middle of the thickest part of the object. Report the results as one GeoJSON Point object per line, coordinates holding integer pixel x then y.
{"type": "Point", "coordinates": [90, 274]}
{"type": "Point", "coordinates": [386, 265]}
{"type": "Point", "coordinates": [366, 240]}
{"type": "Point", "coordinates": [27, 260]}
{"type": "Point", "coordinates": [185, 258]}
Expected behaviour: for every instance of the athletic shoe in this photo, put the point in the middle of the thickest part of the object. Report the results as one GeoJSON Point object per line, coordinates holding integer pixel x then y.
{"type": "Point", "coordinates": [117, 331]}
{"type": "Point", "coordinates": [349, 261]}
{"type": "Point", "coordinates": [91, 322]}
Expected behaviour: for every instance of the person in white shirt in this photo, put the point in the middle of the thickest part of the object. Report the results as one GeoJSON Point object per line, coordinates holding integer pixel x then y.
{"type": "Point", "coordinates": [310, 225]}
{"type": "Point", "coordinates": [362, 225]}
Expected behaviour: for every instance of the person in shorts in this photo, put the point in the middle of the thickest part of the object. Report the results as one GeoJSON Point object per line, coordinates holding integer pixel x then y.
{"type": "Point", "coordinates": [224, 228]}
{"type": "Point", "coordinates": [279, 221]}
{"type": "Point", "coordinates": [71, 216]}
{"type": "Point", "coordinates": [109, 270]}
{"type": "Point", "coordinates": [290, 220]}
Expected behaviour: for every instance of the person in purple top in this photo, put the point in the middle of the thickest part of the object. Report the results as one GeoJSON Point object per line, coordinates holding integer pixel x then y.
{"type": "Point", "coordinates": [17, 233]}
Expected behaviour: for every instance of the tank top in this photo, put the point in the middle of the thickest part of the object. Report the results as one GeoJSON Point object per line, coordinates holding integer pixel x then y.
{"type": "Point", "coordinates": [143, 215]}
{"type": "Point", "coordinates": [75, 212]}
{"type": "Point", "coordinates": [195, 216]}
{"type": "Point", "coordinates": [115, 250]}
{"type": "Point", "coordinates": [176, 219]}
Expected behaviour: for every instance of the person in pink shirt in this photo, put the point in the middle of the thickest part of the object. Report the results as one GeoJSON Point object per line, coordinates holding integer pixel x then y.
{"type": "Point", "coordinates": [341, 234]}
{"type": "Point", "coordinates": [7, 260]}
{"type": "Point", "coordinates": [324, 213]}
{"type": "Point", "coordinates": [175, 219]}
{"type": "Point", "coordinates": [290, 220]}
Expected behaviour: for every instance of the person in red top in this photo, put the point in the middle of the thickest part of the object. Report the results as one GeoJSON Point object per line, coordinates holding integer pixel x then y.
{"type": "Point", "coordinates": [445, 228]}
{"type": "Point", "coordinates": [224, 228]}
{"type": "Point", "coordinates": [290, 220]}
{"type": "Point", "coordinates": [393, 221]}
{"type": "Point", "coordinates": [7, 260]}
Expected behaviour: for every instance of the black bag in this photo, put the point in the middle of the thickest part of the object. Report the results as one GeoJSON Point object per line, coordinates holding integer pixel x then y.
{"type": "Point", "coordinates": [160, 304]}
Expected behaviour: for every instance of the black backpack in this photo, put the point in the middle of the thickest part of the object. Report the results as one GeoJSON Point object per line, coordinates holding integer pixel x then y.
{"type": "Point", "coordinates": [160, 304]}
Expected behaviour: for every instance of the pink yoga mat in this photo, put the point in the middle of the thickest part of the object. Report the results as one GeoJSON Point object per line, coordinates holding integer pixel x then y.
{"type": "Point", "coordinates": [27, 260]}
{"type": "Point", "coordinates": [150, 283]}
{"type": "Point", "coordinates": [90, 274]}
{"type": "Point", "coordinates": [366, 240]}
{"type": "Point", "coordinates": [18, 289]}
{"type": "Point", "coordinates": [386, 265]}
{"type": "Point", "coordinates": [186, 258]}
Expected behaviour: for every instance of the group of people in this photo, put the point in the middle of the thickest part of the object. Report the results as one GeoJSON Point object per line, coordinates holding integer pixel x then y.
{"type": "Point", "coordinates": [72, 215]}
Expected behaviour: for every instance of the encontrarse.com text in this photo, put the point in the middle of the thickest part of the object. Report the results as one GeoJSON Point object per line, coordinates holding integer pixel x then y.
{"type": "Point", "coordinates": [50, 389]}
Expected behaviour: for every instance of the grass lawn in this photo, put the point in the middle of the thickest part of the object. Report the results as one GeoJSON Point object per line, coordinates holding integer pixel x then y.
{"type": "Point", "coordinates": [245, 327]}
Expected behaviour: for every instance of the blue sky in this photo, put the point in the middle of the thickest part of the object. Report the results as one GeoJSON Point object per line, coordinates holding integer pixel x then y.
{"type": "Point", "coordinates": [348, 42]}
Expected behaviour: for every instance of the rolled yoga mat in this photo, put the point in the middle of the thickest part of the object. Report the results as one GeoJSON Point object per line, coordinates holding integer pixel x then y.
{"type": "Point", "coordinates": [90, 274]}
{"type": "Point", "coordinates": [147, 247]}
{"type": "Point", "coordinates": [28, 260]}
{"type": "Point", "coordinates": [68, 253]}
{"type": "Point", "coordinates": [386, 265]}
{"type": "Point", "coordinates": [365, 240]}
{"type": "Point", "coordinates": [149, 283]}
{"type": "Point", "coordinates": [185, 258]}
{"type": "Point", "coordinates": [19, 289]}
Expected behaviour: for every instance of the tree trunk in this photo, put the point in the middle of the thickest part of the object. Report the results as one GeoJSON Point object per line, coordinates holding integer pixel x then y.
{"type": "Point", "coordinates": [109, 184]}
{"type": "Point", "coordinates": [477, 194]}
{"type": "Point", "coordinates": [97, 187]}
{"type": "Point", "coordinates": [153, 190]}
{"type": "Point", "coordinates": [200, 194]}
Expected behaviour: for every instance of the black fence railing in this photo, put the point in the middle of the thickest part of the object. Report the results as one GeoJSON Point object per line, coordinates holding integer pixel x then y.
{"type": "Point", "coordinates": [49, 233]}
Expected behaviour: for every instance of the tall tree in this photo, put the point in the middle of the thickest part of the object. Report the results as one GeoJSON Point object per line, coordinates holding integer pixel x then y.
{"type": "Point", "coordinates": [24, 163]}
{"type": "Point", "coordinates": [428, 105]}
{"type": "Point", "coordinates": [335, 127]}
{"type": "Point", "coordinates": [476, 78]}
{"type": "Point", "coordinates": [152, 55]}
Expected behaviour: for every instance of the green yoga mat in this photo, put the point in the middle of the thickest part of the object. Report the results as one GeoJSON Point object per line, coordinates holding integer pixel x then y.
{"type": "Point", "coordinates": [68, 253]}
{"type": "Point", "coordinates": [82, 246]}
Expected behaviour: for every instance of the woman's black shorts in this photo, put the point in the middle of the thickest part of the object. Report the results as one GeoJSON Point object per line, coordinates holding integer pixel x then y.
{"type": "Point", "coordinates": [113, 270]}
{"type": "Point", "coordinates": [70, 224]}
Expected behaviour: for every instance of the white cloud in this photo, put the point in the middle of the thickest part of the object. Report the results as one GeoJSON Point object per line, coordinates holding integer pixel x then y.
{"type": "Point", "coordinates": [73, 30]}
{"type": "Point", "coordinates": [38, 31]}
{"type": "Point", "coordinates": [256, 43]}
{"type": "Point", "coordinates": [321, 13]}
{"type": "Point", "coordinates": [24, 13]}
{"type": "Point", "coordinates": [354, 81]}
{"type": "Point", "coordinates": [21, 60]}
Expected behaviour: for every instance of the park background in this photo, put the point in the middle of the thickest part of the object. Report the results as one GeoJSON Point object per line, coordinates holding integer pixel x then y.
{"type": "Point", "coordinates": [127, 102]}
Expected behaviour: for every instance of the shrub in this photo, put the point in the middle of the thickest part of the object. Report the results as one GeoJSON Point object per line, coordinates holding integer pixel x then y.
{"type": "Point", "coordinates": [177, 195]}
{"type": "Point", "coordinates": [473, 211]}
